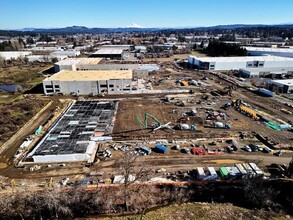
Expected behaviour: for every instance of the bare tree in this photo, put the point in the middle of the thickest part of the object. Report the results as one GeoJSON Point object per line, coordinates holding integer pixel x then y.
{"type": "Point", "coordinates": [132, 171]}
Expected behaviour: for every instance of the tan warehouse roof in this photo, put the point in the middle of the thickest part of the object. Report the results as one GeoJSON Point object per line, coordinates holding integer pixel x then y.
{"type": "Point", "coordinates": [72, 61]}
{"type": "Point", "coordinates": [95, 75]}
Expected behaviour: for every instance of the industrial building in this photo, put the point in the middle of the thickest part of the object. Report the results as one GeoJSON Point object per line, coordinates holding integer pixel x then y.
{"type": "Point", "coordinates": [44, 58]}
{"type": "Point", "coordinates": [282, 86]}
{"type": "Point", "coordinates": [163, 46]}
{"type": "Point", "coordinates": [236, 63]}
{"type": "Point", "coordinates": [74, 135]}
{"type": "Point", "coordinates": [261, 51]}
{"type": "Point", "coordinates": [109, 53]}
{"type": "Point", "coordinates": [125, 47]}
{"type": "Point", "coordinates": [89, 82]}
{"type": "Point", "coordinates": [8, 55]}
{"type": "Point", "coordinates": [139, 70]}
{"type": "Point", "coordinates": [68, 53]}
{"type": "Point", "coordinates": [266, 72]}
{"type": "Point", "coordinates": [73, 63]}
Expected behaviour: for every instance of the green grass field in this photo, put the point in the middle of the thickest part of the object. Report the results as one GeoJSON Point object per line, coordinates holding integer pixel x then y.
{"type": "Point", "coordinates": [26, 75]}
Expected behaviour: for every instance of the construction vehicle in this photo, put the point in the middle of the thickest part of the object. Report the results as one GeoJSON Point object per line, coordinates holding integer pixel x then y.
{"type": "Point", "coordinates": [183, 83]}
{"type": "Point", "coordinates": [184, 126]}
{"type": "Point", "coordinates": [155, 126]}
{"type": "Point", "coordinates": [218, 124]}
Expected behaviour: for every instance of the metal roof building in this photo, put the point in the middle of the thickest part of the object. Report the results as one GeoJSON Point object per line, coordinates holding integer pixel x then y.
{"type": "Point", "coordinates": [69, 53]}
{"type": "Point", "coordinates": [265, 72]}
{"type": "Point", "coordinates": [71, 63]}
{"type": "Point", "coordinates": [109, 53]}
{"type": "Point", "coordinates": [260, 51]}
{"type": "Point", "coordinates": [283, 85]}
{"type": "Point", "coordinates": [236, 63]}
{"type": "Point", "coordinates": [8, 55]}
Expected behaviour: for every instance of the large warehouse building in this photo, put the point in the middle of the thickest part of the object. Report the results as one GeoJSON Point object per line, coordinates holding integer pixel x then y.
{"type": "Point", "coordinates": [89, 82]}
{"type": "Point", "coordinates": [261, 51]}
{"type": "Point", "coordinates": [73, 137]}
{"type": "Point", "coordinates": [8, 55]}
{"type": "Point", "coordinates": [236, 63]}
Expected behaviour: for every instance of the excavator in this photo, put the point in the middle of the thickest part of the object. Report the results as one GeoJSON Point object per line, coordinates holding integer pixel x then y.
{"type": "Point", "coordinates": [155, 126]}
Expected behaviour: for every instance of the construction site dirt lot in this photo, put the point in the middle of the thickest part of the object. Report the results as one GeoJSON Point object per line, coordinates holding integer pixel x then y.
{"type": "Point", "coordinates": [127, 128]}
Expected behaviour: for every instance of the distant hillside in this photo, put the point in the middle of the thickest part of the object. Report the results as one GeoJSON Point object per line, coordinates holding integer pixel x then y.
{"type": "Point", "coordinates": [86, 30]}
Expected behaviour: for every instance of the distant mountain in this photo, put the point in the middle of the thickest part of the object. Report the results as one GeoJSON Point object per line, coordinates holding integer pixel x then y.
{"type": "Point", "coordinates": [25, 29]}
{"type": "Point", "coordinates": [134, 25]}
{"type": "Point", "coordinates": [85, 30]}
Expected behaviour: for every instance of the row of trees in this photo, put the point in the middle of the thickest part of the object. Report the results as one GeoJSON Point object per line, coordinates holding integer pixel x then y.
{"type": "Point", "coordinates": [11, 45]}
{"type": "Point", "coordinates": [218, 48]}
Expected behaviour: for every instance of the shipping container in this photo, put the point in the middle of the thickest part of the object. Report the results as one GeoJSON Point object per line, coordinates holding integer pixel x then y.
{"type": "Point", "coordinates": [258, 171]}
{"type": "Point", "coordinates": [231, 173]}
{"type": "Point", "coordinates": [200, 173]}
{"type": "Point", "coordinates": [224, 172]}
{"type": "Point", "coordinates": [213, 174]}
{"type": "Point", "coordinates": [265, 92]}
{"type": "Point", "coordinates": [237, 173]}
{"type": "Point", "coordinates": [249, 170]}
{"type": "Point", "coordinates": [145, 149]}
{"type": "Point", "coordinates": [241, 170]}
{"type": "Point", "coordinates": [161, 149]}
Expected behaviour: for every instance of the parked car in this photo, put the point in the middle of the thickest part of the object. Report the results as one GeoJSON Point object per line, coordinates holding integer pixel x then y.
{"type": "Point", "coordinates": [247, 148]}
{"type": "Point", "coordinates": [278, 153]}
{"type": "Point", "coordinates": [259, 148]}
{"type": "Point", "coordinates": [253, 147]}
{"type": "Point", "coordinates": [267, 150]}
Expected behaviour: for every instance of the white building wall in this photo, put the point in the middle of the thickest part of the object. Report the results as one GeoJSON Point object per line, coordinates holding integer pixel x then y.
{"type": "Point", "coordinates": [272, 53]}
{"type": "Point", "coordinates": [8, 55]}
{"type": "Point", "coordinates": [229, 65]}
{"type": "Point", "coordinates": [88, 87]}
{"type": "Point", "coordinates": [60, 158]}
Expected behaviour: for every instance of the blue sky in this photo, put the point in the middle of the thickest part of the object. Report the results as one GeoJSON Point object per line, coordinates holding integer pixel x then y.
{"type": "Point", "coordinates": [146, 13]}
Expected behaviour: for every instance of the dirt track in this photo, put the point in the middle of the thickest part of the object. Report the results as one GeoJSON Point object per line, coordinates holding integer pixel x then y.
{"type": "Point", "coordinates": [7, 155]}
